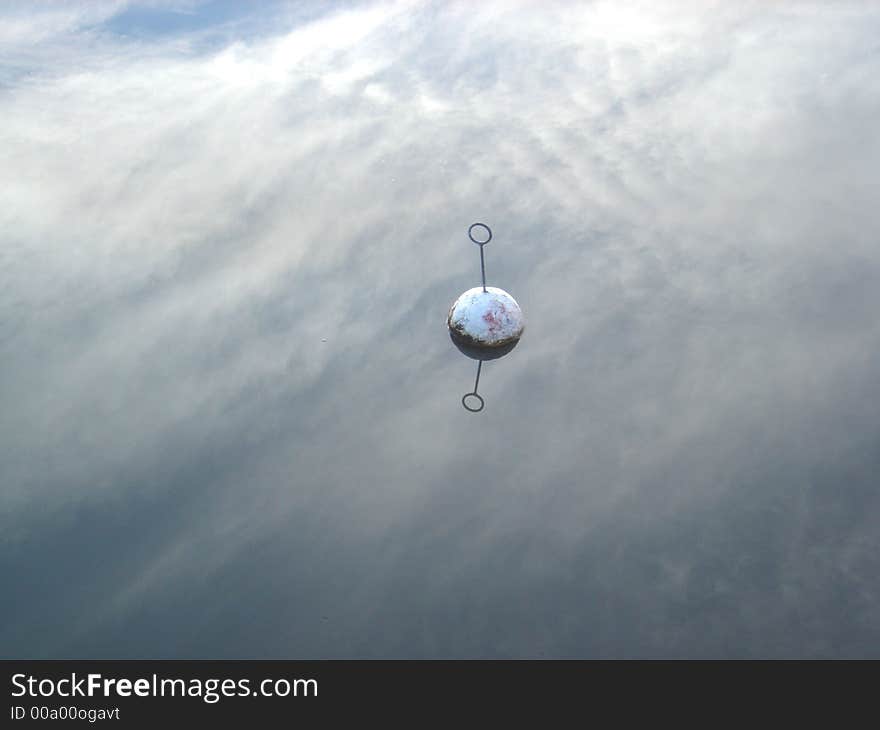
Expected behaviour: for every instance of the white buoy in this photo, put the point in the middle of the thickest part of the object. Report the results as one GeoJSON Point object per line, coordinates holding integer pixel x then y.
{"type": "Point", "coordinates": [486, 318]}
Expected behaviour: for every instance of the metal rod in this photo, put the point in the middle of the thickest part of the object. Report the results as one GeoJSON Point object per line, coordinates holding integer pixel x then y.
{"type": "Point", "coordinates": [483, 268]}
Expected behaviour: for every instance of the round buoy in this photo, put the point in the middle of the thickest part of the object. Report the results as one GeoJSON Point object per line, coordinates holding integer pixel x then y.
{"type": "Point", "coordinates": [489, 318]}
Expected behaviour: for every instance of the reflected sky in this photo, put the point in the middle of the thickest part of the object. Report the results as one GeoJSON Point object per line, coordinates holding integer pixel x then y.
{"type": "Point", "coordinates": [231, 419]}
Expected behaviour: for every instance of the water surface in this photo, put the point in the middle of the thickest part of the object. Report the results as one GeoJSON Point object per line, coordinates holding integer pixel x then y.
{"type": "Point", "coordinates": [231, 419]}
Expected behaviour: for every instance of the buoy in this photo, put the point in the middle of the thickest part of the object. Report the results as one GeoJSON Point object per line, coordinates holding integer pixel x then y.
{"type": "Point", "coordinates": [485, 317]}
{"type": "Point", "coordinates": [485, 322]}
{"type": "Point", "coordinates": [489, 318]}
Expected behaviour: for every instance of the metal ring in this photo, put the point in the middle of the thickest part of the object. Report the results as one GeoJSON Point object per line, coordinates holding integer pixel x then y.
{"type": "Point", "coordinates": [467, 407]}
{"type": "Point", "coordinates": [480, 243]}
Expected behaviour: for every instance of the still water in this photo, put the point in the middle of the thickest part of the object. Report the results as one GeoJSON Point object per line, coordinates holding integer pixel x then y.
{"type": "Point", "coordinates": [232, 420]}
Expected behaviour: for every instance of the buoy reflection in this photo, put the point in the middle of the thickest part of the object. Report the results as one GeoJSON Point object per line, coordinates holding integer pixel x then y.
{"type": "Point", "coordinates": [473, 401]}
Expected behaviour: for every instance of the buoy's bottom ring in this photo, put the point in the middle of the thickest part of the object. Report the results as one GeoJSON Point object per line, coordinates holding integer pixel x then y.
{"type": "Point", "coordinates": [476, 409]}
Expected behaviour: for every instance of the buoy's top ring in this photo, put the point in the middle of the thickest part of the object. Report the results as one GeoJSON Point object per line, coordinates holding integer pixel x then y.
{"type": "Point", "coordinates": [476, 409]}
{"type": "Point", "coordinates": [481, 225]}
